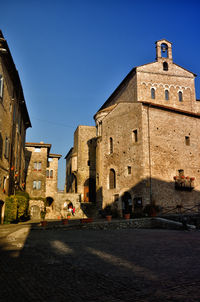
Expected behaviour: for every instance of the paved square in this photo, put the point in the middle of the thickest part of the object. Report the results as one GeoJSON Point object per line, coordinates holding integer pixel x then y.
{"type": "Point", "coordinates": [109, 265]}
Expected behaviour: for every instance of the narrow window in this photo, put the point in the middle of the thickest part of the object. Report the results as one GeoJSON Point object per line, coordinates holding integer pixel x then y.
{"type": "Point", "coordinates": [97, 178]}
{"type": "Point", "coordinates": [47, 173]}
{"type": "Point", "coordinates": [6, 153]}
{"type": "Point", "coordinates": [129, 170]}
{"type": "Point", "coordinates": [165, 66]}
{"type": "Point", "coordinates": [187, 140]}
{"type": "Point", "coordinates": [1, 86]}
{"type": "Point", "coordinates": [166, 95]}
{"type": "Point", "coordinates": [37, 166]}
{"type": "Point", "coordinates": [181, 172]}
{"type": "Point", "coordinates": [180, 96]}
{"type": "Point", "coordinates": [51, 173]}
{"type": "Point", "coordinates": [112, 179]}
{"type": "Point", "coordinates": [1, 146]}
{"type": "Point", "coordinates": [135, 136]}
{"type": "Point", "coordinates": [111, 145]}
{"type": "Point", "coordinates": [153, 93]}
{"type": "Point", "coordinates": [37, 184]}
{"type": "Point", "coordinates": [88, 163]}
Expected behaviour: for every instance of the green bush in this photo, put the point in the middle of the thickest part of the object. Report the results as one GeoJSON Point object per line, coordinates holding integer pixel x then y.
{"type": "Point", "coordinates": [16, 208]}
{"type": "Point", "coordinates": [23, 193]}
{"type": "Point", "coordinates": [22, 206]}
{"type": "Point", "coordinates": [10, 209]}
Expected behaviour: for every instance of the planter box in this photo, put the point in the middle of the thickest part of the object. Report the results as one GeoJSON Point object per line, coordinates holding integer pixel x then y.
{"type": "Point", "coordinates": [86, 220]}
{"type": "Point", "coordinates": [65, 221]}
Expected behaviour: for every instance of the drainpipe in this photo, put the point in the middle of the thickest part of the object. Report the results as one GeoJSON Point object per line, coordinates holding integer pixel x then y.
{"type": "Point", "coordinates": [149, 145]}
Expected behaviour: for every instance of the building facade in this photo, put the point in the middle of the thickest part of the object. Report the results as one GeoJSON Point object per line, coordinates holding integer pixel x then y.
{"type": "Point", "coordinates": [41, 176]}
{"type": "Point", "coordinates": [14, 120]}
{"type": "Point", "coordinates": [147, 143]}
{"type": "Point", "coordinates": [81, 164]}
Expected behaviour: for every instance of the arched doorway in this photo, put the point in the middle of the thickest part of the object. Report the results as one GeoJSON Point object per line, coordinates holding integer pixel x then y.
{"type": "Point", "coordinates": [127, 203]}
{"type": "Point", "coordinates": [49, 201]}
{"type": "Point", "coordinates": [90, 190]}
{"type": "Point", "coordinates": [35, 212]}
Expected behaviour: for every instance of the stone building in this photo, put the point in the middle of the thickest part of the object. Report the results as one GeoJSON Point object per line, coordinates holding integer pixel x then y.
{"type": "Point", "coordinates": [81, 164]}
{"type": "Point", "coordinates": [147, 142]}
{"type": "Point", "coordinates": [41, 177]}
{"type": "Point", "coordinates": [14, 120]}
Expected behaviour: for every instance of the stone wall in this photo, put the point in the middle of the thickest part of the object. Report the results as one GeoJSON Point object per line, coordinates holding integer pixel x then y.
{"type": "Point", "coordinates": [126, 158]}
{"type": "Point", "coordinates": [166, 152]}
{"type": "Point", "coordinates": [32, 156]}
{"type": "Point", "coordinates": [52, 179]}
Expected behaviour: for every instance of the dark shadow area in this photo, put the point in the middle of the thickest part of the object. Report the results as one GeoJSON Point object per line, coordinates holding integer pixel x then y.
{"type": "Point", "coordinates": [177, 200]}
{"type": "Point", "coordinates": [110, 265]}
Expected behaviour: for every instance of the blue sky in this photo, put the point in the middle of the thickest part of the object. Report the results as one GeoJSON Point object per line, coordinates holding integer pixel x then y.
{"type": "Point", "coordinates": [71, 55]}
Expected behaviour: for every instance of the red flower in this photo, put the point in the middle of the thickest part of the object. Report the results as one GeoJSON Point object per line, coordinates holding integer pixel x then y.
{"type": "Point", "coordinates": [175, 177]}
{"type": "Point", "coordinates": [192, 178]}
{"type": "Point", "coordinates": [182, 176]}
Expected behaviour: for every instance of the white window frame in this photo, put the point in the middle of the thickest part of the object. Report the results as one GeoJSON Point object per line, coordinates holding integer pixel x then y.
{"type": "Point", "coordinates": [37, 184]}
{"type": "Point", "coordinates": [37, 165]}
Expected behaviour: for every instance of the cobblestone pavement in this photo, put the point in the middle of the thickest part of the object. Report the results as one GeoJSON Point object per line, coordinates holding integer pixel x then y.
{"type": "Point", "coordinates": [99, 265]}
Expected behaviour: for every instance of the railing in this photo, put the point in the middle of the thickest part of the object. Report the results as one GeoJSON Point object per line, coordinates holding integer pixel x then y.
{"type": "Point", "coordinates": [180, 209]}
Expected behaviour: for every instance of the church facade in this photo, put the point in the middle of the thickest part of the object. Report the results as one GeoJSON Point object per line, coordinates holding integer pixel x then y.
{"type": "Point", "coordinates": [147, 138]}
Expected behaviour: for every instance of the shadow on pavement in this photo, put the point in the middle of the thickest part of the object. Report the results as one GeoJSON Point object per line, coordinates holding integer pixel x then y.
{"type": "Point", "coordinates": [39, 264]}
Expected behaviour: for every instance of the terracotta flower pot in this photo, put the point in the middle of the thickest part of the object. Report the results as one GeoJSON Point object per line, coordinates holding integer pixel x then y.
{"type": "Point", "coordinates": [43, 223]}
{"type": "Point", "coordinates": [109, 217]}
{"type": "Point", "coordinates": [127, 216]}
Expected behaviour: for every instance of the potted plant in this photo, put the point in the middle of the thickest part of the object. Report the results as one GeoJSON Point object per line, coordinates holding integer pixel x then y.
{"type": "Point", "coordinates": [108, 213]}
{"type": "Point", "coordinates": [127, 215]}
{"type": "Point", "coordinates": [69, 215]}
{"type": "Point", "coordinates": [43, 214]}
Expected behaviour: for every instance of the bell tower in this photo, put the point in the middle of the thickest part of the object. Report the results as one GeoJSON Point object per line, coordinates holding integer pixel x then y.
{"type": "Point", "coordinates": [163, 51]}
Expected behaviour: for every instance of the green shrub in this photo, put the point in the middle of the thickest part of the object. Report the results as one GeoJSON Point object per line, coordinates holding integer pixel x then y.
{"type": "Point", "coordinates": [22, 206]}
{"type": "Point", "coordinates": [16, 208]}
{"type": "Point", "coordinates": [23, 193]}
{"type": "Point", "coordinates": [10, 209]}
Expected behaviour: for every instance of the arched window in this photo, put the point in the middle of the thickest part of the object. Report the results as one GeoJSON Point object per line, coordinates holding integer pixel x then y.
{"type": "Point", "coordinates": [153, 93]}
{"type": "Point", "coordinates": [51, 173]}
{"type": "Point", "coordinates": [166, 95]}
{"type": "Point", "coordinates": [164, 50]}
{"type": "Point", "coordinates": [111, 145]}
{"type": "Point", "coordinates": [180, 96]}
{"type": "Point", "coordinates": [112, 179]}
{"type": "Point", "coordinates": [165, 66]}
